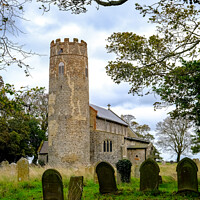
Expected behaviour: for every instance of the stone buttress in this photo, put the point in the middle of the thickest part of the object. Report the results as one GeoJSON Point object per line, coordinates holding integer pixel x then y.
{"type": "Point", "coordinates": [68, 129]}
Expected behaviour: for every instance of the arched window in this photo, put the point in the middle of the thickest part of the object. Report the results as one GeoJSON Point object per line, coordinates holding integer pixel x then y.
{"type": "Point", "coordinates": [61, 68]}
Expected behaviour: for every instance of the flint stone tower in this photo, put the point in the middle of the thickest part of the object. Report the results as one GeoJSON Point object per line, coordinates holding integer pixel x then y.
{"type": "Point", "coordinates": [69, 131]}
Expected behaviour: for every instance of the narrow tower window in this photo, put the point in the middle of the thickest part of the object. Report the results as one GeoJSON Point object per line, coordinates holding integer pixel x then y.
{"type": "Point", "coordinates": [61, 68]}
{"type": "Point", "coordinates": [110, 146]}
{"type": "Point", "coordinates": [104, 146]}
{"type": "Point", "coordinates": [86, 71]}
{"type": "Point", "coordinates": [60, 51]}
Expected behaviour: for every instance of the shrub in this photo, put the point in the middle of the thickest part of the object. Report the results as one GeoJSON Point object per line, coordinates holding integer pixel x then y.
{"type": "Point", "coordinates": [124, 168]}
{"type": "Point", "coordinates": [41, 163]}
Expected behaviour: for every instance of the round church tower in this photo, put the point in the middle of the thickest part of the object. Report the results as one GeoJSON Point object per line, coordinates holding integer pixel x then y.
{"type": "Point", "coordinates": [68, 124]}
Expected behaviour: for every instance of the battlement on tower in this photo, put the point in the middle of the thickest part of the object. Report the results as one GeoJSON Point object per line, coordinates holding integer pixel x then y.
{"type": "Point", "coordinates": [66, 40]}
{"type": "Point", "coordinates": [68, 48]}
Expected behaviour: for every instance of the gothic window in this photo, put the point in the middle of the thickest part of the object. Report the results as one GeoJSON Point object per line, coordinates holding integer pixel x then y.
{"type": "Point", "coordinates": [61, 68]}
{"type": "Point", "coordinates": [107, 146]}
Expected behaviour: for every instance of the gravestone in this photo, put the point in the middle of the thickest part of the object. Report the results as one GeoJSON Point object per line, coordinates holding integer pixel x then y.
{"type": "Point", "coordinates": [149, 175]}
{"type": "Point", "coordinates": [105, 173]}
{"type": "Point", "coordinates": [187, 175]}
{"type": "Point", "coordinates": [137, 171]}
{"type": "Point", "coordinates": [22, 170]}
{"type": "Point", "coordinates": [4, 163]}
{"type": "Point", "coordinates": [75, 188]}
{"type": "Point", "coordinates": [52, 185]}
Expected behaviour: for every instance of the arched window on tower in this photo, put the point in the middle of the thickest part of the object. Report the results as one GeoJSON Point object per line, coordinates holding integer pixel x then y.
{"type": "Point", "coordinates": [61, 68]}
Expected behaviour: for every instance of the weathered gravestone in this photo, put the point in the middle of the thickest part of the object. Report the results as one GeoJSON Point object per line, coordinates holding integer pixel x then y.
{"type": "Point", "coordinates": [22, 170]}
{"type": "Point", "coordinates": [187, 175]}
{"type": "Point", "coordinates": [149, 175]}
{"type": "Point", "coordinates": [75, 188]}
{"type": "Point", "coordinates": [105, 173]}
{"type": "Point", "coordinates": [52, 185]}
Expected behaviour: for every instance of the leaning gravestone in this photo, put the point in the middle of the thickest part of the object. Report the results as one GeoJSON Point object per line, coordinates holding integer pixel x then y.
{"type": "Point", "coordinates": [23, 169]}
{"type": "Point", "coordinates": [149, 175]}
{"type": "Point", "coordinates": [187, 175]}
{"type": "Point", "coordinates": [52, 185]}
{"type": "Point", "coordinates": [75, 188]}
{"type": "Point", "coordinates": [105, 173]}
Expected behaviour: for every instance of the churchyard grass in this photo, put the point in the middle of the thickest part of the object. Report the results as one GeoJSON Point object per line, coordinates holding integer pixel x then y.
{"type": "Point", "coordinates": [10, 189]}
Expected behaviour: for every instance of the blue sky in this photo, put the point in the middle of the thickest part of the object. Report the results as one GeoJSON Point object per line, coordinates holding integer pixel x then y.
{"type": "Point", "coordinates": [94, 27]}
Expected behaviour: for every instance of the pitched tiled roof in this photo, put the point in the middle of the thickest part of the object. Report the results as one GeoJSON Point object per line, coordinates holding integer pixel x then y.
{"type": "Point", "coordinates": [44, 148]}
{"type": "Point", "coordinates": [137, 139]}
{"type": "Point", "coordinates": [108, 115]}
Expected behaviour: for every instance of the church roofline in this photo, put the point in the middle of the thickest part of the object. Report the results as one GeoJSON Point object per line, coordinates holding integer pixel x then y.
{"type": "Point", "coordinates": [137, 140]}
{"type": "Point", "coordinates": [108, 115]}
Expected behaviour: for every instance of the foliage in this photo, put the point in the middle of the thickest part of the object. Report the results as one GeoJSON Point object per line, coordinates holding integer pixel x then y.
{"type": "Point", "coordinates": [14, 138]}
{"type": "Point", "coordinates": [41, 163]}
{"type": "Point", "coordinates": [20, 132]}
{"type": "Point", "coordinates": [159, 63]}
{"type": "Point", "coordinates": [124, 168]}
{"type": "Point", "coordinates": [174, 136]}
{"type": "Point", "coordinates": [155, 154]}
{"type": "Point", "coordinates": [141, 131]}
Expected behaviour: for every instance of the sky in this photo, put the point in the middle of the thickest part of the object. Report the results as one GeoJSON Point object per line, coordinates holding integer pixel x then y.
{"type": "Point", "coordinates": [94, 27]}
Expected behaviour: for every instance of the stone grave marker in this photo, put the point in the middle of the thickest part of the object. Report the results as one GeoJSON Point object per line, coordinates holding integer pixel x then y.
{"type": "Point", "coordinates": [106, 178]}
{"type": "Point", "coordinates": [137, 171]}
{"type": "Point", "coordinates": [149, 175]}
{"type": "Point", "coordinates": [187, 175]}
{"type": "Point", "coordinates": [4, 163]}
{"type": "Point", "coordinates": [22, 170]}
{"type": "Point", "coordinates": [52, 185]}
{"type": "Point", "coordinates": [75, 188]}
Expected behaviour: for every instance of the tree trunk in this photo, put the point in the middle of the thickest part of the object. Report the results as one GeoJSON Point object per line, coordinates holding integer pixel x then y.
{"type": "Point", "coordinates": [178, 157]}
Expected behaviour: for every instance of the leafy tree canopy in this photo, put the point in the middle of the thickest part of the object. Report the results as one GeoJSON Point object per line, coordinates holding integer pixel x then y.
{"type": "Point", "coordinates": [21, 131]}
{"type": "Point", "coordinates": [158, 62]}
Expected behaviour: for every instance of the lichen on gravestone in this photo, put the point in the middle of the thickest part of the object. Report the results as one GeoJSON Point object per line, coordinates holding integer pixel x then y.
{"type": "Point", "coordinates": [187, 176]}
{"type": "Point", "coordinates": [149, 175]}
{"type": "Point", "coordinates": [52, 185]}
{"type": "Point", "coordinates": [106, 178]}
{"type": "Point", "coordinates": [22, 170]}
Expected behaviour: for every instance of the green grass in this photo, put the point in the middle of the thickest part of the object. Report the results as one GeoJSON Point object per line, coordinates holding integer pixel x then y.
{"type": "Point", "coordinates": [12, 190]}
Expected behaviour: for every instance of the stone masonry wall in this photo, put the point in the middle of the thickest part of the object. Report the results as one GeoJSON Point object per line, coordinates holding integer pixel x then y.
{"type": "Point", "coordinates": [69, 134]}
{"type": "Point", "coordinates": [107, 131]}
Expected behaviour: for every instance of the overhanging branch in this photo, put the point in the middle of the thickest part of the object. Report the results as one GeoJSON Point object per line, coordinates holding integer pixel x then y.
{"type": "Point", "coordinates": [110, 3]}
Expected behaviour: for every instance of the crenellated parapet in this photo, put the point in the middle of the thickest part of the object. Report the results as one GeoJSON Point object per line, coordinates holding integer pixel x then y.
{"type": "Point", "coordinates": [71, 48]}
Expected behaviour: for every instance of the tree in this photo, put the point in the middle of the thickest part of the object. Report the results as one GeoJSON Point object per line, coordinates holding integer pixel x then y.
{"type": "Point", "coordinates": [23, 121]}
{"type": "Point", "coordinates": [141, 131]}
{"type": "Point", "coordinates": [156, 64]}
{"type": "Point", "coordinates": [174, 135]}
{"type": "Point", "coordinates": [37, 135]}
{"type": "Point", "coordinates": [14, 138]}
{"type": "Point", "coordinates": [12, 11]}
